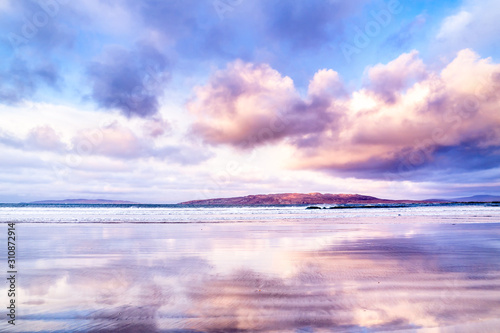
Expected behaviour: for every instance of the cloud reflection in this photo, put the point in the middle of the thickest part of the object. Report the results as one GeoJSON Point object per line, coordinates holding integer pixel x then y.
{"type": "Point", "coordinates": [408, 278]}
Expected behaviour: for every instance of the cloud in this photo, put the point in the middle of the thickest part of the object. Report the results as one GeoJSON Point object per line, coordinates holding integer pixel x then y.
{"type": "Point", "coordinates": [21, 80]}
{"type": "Point", "coordinates": [473, 25]}
{"type": "Point", "coordinates": [241, 102]}
{"type": "Point", "coordinates": [325, 83]}
{"type": "Point", "coordinates": [454, 25]}
{"type": "Point", "coordinates": [306, 24]}
{"type": "Point", "coordinates": [343, 286]}
{"type": "Point", "coordinates": [252, 301]}
{"type": "Point", "coordinates": [156, 127]}
{"type": "Point", "coordinates": [405, 121]}
{"type": "Point", "coordinates": [45, 138]}
{"type": "Point", "coordinates": [172, 18]}
{"type": "Point", "coordinates": [118, 141]}
{"type": "Point", "coordinates": [10, 140]}
{"type": "Point", "coordinates": [246, 105]}
{"type": "Point", "coordinates": [407, 33]}
{"type": "Point", "coordinates": [213, 29]}
{"type": "Point", "coordinates": [31, 29]}
{"type": "Point", "coordinates": [129, 80]}
{"type": "Point", "coordinates": [38, 25]}
{"type": "Point", "coordinates": [387, 80]}
{"type": "Point", "coordinates": [113, 140]}
{"type": "Point", "coordinates": [39, 138]}
{"type": "Point", "coordinates": [438, 121]}
{"type": "Point", "coordinates": [119, 56]}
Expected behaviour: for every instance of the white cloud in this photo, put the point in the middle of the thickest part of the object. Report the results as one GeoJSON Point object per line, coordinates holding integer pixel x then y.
{"type": "Point", "coordinates": [474, 25]}
{"type": "Point", "coordinates": [454, 25]}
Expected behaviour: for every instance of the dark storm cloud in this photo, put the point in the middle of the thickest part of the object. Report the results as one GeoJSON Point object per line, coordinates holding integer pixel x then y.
{"type": "Point", "coordinates": [131, 81]}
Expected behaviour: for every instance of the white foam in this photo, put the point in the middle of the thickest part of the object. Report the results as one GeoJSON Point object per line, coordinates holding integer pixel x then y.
{"type": "Point", "coordinates": [165, 214]}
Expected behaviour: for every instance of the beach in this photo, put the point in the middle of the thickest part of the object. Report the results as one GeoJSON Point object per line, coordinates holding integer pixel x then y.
{"type": "Point", "coordinates": [263, 166]}
{"type": "Point", "coordinates": [316, 274]}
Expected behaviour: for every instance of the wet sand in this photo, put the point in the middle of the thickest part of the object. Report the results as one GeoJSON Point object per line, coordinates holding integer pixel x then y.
{"type": "Point", "coordinates": [307, 276]}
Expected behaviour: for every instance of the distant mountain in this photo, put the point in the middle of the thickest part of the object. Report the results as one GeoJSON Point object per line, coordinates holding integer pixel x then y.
{"type": "Point", "coordinates": [477, 198]}
{"type": "Point", "coordinates": [84, 201]}
{"type": "Point", "coordinates": [296, 199]}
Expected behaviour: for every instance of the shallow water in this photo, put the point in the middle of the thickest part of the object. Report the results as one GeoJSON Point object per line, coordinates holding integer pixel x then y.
{"type": "Point", "coordinates": [263, 214]}
{"type": "Point", "coordinates": [309, 275]}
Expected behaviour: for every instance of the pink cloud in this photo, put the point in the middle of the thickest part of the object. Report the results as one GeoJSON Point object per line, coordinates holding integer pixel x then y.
{"type": "Point", "coordinates": [113, 140]}
{"type": "Point", "coordinates": [437, 119]}
{"type": "Point", "coordinates": [388, 80]}
{"type": "Point", "coordinates": [156, 127]}
{"type": "Point", "coordinates": [118, 141]}
{"type": "Point", "coordinates": [246, 105]}
{"type": "Point", "coordinates": [45, 138]}
{"type": "Point", "coordinates": [326, 82]}
{"type": "Point", "coordinates": [408, 117]}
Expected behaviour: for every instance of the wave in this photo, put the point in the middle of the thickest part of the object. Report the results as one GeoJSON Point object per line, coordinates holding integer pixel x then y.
{"type": "Point", "coordinates": [307, 206]}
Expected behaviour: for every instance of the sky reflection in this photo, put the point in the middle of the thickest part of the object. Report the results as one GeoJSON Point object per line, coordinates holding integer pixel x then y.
{"type": "Point", "coordinates": [244, 277]}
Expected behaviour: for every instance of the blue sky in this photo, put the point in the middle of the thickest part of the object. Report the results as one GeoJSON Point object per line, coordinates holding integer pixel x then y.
{"type": "Point", "coordinates": [165, 101]}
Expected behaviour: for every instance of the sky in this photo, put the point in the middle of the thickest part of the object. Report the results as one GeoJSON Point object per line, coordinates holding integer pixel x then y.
{"type": "Point", "coordinates": [167, 101]}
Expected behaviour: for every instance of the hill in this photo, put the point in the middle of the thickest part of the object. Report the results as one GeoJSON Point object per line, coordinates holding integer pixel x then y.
{"type": "Point", "coordinates": [84, 201]}
{"type": "Point", "coordinates": [296, 199]}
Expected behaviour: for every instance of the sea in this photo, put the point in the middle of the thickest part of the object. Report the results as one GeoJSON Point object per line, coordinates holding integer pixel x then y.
{"type": "Point", "coordinates": [177, 268]}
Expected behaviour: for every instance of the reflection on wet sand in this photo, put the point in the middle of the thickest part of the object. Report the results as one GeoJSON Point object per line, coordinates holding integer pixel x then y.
{"type": "Point", "coordinates": [256, 278]}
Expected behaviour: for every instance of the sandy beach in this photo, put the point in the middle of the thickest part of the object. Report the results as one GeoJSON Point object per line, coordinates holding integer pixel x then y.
{"type": "Point", "coordinates": [282, 276]}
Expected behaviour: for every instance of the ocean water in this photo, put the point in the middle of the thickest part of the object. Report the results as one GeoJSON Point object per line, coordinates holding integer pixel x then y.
{"type": "Point", "coordinates": [254, 269]}
{"type": "Point", "coordinates": [54, 213]}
